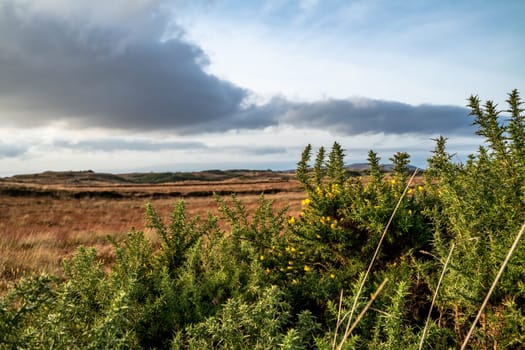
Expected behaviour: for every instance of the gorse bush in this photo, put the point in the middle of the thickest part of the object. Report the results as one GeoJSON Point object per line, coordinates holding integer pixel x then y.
{"type": "Point", "coordinates": [480, 206]}
{"type": "Point", "coordinates": [266, 280]}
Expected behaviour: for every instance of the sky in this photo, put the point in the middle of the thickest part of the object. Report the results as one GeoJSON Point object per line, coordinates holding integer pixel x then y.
{"type": "Point", "coordinates": [174, 85]}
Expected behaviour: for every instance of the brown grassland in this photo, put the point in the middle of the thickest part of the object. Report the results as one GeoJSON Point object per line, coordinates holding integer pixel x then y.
{"type": "Point", "coordinates": [43, 220]}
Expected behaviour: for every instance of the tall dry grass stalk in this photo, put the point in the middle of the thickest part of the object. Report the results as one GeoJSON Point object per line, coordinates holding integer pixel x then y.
{"type": "Point", "coordinates": [356, 298]}
{"type": "Point", "coordinates": [361, 314]}
{"type": "Point", "coordinates": [339, 320]}
{"type": "Point", "coordinates": [493, 286]}
{"type": "Point", "coordinates": [452, 246]}
{"type": "Point", "coordinates": [379, 244]}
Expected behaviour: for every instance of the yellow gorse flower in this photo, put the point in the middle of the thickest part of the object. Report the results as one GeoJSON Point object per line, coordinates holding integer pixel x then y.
{"type": "Point", "coordinates": [333, 192]}
{"type": "Point", "coordinates": [325, 219]}
{"type": "Point", "coordinates": [291, 221]}
{"type": "Point", "coordinates": [306, 202]}
{"type": "Point", "coordinates": [306, 268]}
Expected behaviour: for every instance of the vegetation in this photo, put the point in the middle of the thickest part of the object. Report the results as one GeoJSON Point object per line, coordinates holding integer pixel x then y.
{"type": "Point", "coordinates": [359, 267]}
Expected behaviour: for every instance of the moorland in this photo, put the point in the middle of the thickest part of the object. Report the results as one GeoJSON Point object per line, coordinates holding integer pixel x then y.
{"type": "Point", "coordinates": [323, 260]}
{"type": "Point", "coordinates": [45, 217]}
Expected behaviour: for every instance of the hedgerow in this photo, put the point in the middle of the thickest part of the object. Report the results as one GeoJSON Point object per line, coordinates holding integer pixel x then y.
{"type": "Point", "coordinates": [357, 268]}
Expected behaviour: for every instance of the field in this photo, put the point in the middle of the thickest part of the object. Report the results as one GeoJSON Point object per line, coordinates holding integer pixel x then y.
{"type": "Point", "coordinates": [45, 217]}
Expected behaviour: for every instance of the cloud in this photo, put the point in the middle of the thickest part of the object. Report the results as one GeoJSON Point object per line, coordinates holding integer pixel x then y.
{"type": "Point", "coordinates": [308, 5]}
{"type": "Point", "coordinates": [145, 145]}
{"type": "Point", "coordinates": [8, 150]}
{"type": "Point", "coordinates": [112, 145]}
{"type": "Point", "coordinates": [82, 74]}
{"type": "Point", "coordinates": [103, 12]}
{"type": "Point", "coordinates": [254, 150]}
{"type": "Point", "coordinates": [362, 115]}
{"type": "Point", "coordinates": [136, 71]}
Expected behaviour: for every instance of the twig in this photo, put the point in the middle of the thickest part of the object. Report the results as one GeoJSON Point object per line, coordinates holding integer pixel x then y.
{"type": "Point", "coordinates": [384, 313]}
{"type": "Point", "coordinates": [498, 276]}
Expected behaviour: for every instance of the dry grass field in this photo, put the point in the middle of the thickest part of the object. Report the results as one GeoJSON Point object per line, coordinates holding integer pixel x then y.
{"type": "Point", "coordinates": [44, 219]}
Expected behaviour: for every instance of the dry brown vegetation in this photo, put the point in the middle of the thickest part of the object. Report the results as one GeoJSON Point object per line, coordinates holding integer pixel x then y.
{"type": "Point", "coordinates": [44, 219]}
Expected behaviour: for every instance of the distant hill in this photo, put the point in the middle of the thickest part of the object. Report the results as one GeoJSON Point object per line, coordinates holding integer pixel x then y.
{"type": "Point", "coordinates": [89, 177]}
{"type": "Point", "coordinates": [67, 177]}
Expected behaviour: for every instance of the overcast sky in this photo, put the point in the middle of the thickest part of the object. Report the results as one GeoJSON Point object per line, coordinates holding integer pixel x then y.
{"type": "Point", "coordinates": [152, 85]}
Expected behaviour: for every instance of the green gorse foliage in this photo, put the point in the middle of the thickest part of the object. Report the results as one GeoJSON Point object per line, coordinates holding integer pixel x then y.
{"type": "Point", "coordinates": [270, 280]}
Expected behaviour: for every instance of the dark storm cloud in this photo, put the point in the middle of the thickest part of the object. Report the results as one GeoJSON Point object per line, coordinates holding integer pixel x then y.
{"type": "Point", "coordinates": [357, 116]}
{"type": "Point", "coordinates": [123, 76]}
{"type": "Point", "coordinates": [54, 70]}
{"type": "Point", "coordinates": [111, 145]}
